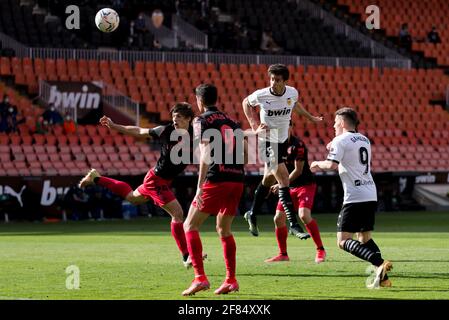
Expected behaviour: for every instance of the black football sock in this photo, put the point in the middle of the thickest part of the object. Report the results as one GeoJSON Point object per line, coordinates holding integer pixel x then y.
{"type": "Point", "coordinates": [373, 247]}
{"type": "Point", "coordinates": [355, 248]}
{"type": "Point", "coordinates": [259, 197]}
{"type": "Point", "coordinates": [287, 203]}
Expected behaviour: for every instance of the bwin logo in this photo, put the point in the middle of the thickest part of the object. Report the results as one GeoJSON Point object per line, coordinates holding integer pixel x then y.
{"type": "Point", "coordinates": [282, 112]}
{"type": "Point", "coordinates": [11, 191]}
{"type": "Point", "coordinates": [82, 100]}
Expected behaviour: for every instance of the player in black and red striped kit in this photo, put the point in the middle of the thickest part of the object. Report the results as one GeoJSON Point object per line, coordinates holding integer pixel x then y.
{"type": "Point", "coordinates": [302, 192]}
{"type": "Point", "coordinates": [220, 187]}
{"type": "Point", "coordinates": [157, 182]}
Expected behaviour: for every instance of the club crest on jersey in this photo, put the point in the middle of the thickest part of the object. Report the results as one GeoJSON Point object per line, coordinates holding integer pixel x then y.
{"type": "Point", "coordinates": [289, 101]}
{"type": "Point", "coordinates": [282, 112]}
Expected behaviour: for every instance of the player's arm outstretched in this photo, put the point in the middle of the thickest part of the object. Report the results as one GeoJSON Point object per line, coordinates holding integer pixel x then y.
{"type": "Point", "coordinates": [129, 130]}
{"type": "Point", "coordinates": [300, 110]}
{"type": "Point", "coordinates": [326, 165]}
{"type": "Point", "coordinates": [334, 157]}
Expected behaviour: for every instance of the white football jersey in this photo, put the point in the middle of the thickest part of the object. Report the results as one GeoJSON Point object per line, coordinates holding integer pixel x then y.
{"type": "Point", "coordinates": [352, 152]}
{"type": "Point", "coordinates": [275, 111]}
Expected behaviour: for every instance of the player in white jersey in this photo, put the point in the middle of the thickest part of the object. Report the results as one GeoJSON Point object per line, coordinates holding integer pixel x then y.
{"type": "Point", "coordinates": [276, 103]}
{"type": "Point", "coordinates": [350, 153]}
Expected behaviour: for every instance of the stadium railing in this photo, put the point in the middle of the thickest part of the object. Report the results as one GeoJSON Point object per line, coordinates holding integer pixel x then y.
{"type": "Point", "coordinates": [352, 34]}
{"type": "Point", "coordinates": [197, 57]}
{"type": "Point", "coordinates": [218, 58]}
{"type": "Point", "coordinates": [189, 33]}
{"type": "Point", "coordinates": [118, 100]}
{"type": "Point", "coordinates": [20, 49]}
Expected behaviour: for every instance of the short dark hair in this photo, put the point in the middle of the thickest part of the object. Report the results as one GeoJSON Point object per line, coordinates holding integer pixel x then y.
{"type": "Point", "coordinates": [349, 115]}
{"type": "Point", "coordinates": [279, 70]}
{"type": "Point", "coordinates": [184, 109]}
{"type": "Point", "coordinates": [208, 94]}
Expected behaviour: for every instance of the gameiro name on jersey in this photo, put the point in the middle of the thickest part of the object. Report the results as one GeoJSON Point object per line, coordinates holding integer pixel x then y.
{"type": "Point", "coordinates": [275, 110]}
{"type": "Point", "coordinates": [352, 152]}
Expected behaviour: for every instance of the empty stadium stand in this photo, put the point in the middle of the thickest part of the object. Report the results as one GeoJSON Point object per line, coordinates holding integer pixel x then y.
{"type": "Point", "coordinates": [408, 133]}
{"type": "Point", "coordinates": [395, 13]}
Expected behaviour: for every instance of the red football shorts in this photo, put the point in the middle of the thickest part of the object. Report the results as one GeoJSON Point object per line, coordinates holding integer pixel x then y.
{"type": "Point", "coordinates": [157, 189]}
{"type": "Point", "coordinates": [220, 198]}
{"type": "Point", "coordinates": [302, 197]}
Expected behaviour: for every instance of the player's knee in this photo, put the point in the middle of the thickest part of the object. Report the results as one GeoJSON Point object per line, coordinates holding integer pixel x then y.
{"type": "Point", "coordinates": [278, 219]}
{"type": "Point", "coordinates": [341, 244]}
{"type": "Point", "coordinates": [133, 200]}
{"type": "Point", "coordinates": [187, 226]}
{"type": "Point", "coordinates": [177, 216]}
{"type": "Point", "coordinates": [305, 216]}
{"type": "Point", "coordinates": [268, 181]}
{"type": "Point", "coordinates": [223, 232]}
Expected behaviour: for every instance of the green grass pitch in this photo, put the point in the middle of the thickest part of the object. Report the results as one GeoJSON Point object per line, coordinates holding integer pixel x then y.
{"type": "Point", "coordinates": [138, 259]}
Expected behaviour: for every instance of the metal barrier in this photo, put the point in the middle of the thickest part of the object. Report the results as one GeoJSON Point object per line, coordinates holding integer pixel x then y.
{"type": "Point", "coordinates": [202, 57]}
{"type": "Point", "coordinates": [20, 49]}
{"type": "Point", "coordinates": [118, 100]}
{"type": "Point", "coordinates": [188, 33]}
{"type": "Point", "coordinates": [342, 28]}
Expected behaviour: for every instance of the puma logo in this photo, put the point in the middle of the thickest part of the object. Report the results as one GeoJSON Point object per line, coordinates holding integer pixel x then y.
{"type": "Point", "coordinates": [12, 192]}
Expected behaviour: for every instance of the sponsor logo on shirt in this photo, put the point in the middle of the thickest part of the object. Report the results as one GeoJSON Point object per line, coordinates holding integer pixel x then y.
{"type": "Point", "coordinates": [275, 113]}
{"type": "Point", "coordinates": [359, 183]}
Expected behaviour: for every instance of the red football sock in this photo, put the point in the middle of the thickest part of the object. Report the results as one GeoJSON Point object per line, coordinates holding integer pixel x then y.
{"type": "Point", "coordinates": [281, 237]}
{"type": "Point", "coordinates": [177, 231]}
{"type": "Point", "coordinates": [118, 187]}
{"type": "Point", "coordinates": [195, 248]}
{"type": "Point", "coordinates": [312, 228]}
{"type": "Point", "coordinates": [229, 250]}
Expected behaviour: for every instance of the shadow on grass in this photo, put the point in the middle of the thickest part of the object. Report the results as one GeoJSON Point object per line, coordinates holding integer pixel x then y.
{"type": "Point", "coordinates": [416, 222]}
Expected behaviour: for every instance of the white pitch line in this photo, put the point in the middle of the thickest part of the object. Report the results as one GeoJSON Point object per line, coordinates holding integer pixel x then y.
{"type": "Point", "coordinates": [13, 298]}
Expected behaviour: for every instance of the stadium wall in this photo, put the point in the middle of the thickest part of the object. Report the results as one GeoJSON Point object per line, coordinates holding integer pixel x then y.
{"type": "Point", "coordinates": [42, 196]}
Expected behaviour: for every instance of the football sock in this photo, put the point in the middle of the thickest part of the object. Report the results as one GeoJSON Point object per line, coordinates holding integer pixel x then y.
{"type": "Point", "coordinates": [115, 186]}
{"type": "Point", "coordinates": [229, 252]}
{"type": "Point", "coordinates": [286, 200]}
{"type": "Point", "coordinates": [355, 248]}
{"type": "Point", "coordinates": [195, 248]}
{"type": "Point", "coordinates": [373, 246]}
{"type": "Point", "coordinates": [281, 237]}
{"type": "Point", "coordinates": [259, 196]}
{"type": "Point", "coordinates": [177, 231]}
{"type": "Point", "coordinates": [312, 228]}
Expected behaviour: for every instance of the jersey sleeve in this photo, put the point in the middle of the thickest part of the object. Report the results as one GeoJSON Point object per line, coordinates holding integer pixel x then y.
{"type": "Point", "coordinates": [253, 99]}
{"type": "Point", "coordinates": [336, 152]}
{"type": "Point", "coordinates": [157, 132]}
{"type": "Point", "coordinates": [295, 96]}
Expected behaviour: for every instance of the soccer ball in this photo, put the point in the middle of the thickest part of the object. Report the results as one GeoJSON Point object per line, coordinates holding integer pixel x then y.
{"type": "Point", "coordinates": [107, 20]}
